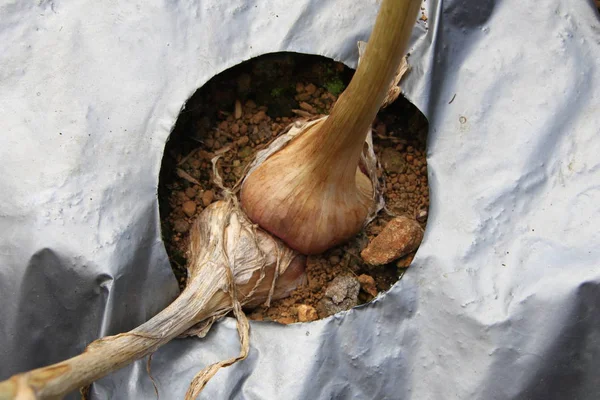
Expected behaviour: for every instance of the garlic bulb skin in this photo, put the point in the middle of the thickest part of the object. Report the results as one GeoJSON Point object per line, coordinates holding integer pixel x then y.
{"type": "Point", "coordinates": [307, 198]}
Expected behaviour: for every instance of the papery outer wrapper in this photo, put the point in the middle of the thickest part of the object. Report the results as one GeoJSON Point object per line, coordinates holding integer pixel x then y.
{"type": "Point", "coordinates": [368, 160]}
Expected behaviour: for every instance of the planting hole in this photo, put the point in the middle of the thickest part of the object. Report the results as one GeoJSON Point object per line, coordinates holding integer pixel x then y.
{"type": "Point", "coordinates": [242, 110]}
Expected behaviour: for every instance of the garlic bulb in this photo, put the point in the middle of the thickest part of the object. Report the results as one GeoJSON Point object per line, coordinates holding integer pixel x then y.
{"type": "Point", "coordinates": [312, 193]}
{"type": "Point", "coordinates": [310, 212]}
{"type": "Point", "coordinates": [232, 264]}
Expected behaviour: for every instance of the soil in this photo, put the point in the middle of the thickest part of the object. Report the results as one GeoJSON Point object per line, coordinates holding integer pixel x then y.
{"type": "Point", "coordinates": [239, 112]}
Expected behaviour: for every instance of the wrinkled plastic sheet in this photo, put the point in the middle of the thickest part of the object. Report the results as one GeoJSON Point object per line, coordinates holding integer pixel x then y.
{"type": "Point", "coordinates": [501, 301]}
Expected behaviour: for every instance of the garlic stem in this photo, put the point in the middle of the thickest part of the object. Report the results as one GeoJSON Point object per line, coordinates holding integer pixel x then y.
{"type": "Point", "coordinates": [344, 131]}
{"type": "Point", "coordinates": [198, 300]}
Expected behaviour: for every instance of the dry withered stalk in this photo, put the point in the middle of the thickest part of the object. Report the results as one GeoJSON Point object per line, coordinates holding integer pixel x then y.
{"type": "Point", "coordinates": [226, 251]}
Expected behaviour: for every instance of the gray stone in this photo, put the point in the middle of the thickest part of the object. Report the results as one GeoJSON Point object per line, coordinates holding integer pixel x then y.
{"type": "Point", "coordinates": [341, 295]}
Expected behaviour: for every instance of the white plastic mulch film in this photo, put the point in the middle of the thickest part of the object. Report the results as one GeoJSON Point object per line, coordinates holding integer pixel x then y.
{"type": "Point", "coordinates": [501, 301]}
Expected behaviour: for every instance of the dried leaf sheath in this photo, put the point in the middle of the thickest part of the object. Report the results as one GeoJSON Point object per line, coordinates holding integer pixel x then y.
{"type": "Point", "coordinates": [223, 244]}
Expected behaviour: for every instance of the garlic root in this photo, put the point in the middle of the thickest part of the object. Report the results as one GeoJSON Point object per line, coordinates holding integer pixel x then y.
{"type": "Point", "coordinates": [311, 193]}
{"type": "Point", "coordinates": [226, 252]}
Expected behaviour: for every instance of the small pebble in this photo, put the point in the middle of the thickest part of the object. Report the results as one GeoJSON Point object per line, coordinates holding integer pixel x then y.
{"type": "Point", "coordinates": [207, 198]}
{"type": "Point", "coordinates": [307, 313]}
{"type": "Point", "coordinates": [259, 117]}
{"type": "Point", "coordinates": [189, 208]}
{"type": "Point", "coordinates": [205, 155]}
{"type": "Point", "coordinates": [257, 316]}
{"type": "Point", "coordinates": [405, 261]}
{"type": "Point", "coordinates": [303, 97]}
{"type": "Point", "coordinates": [307, 107]}
{"type": "Point", "coordinates": [367, 283]}
{"type": "Point", "coordinates": [243, 141]}
{"type": "Point", "coordinates": [181, 226]}
{"type": "Point", "coordinates": [182, 197]}
{"type": "Point", "coordinates": [244, 152]}
{"type": "Point", "coordinates": [190, 192]}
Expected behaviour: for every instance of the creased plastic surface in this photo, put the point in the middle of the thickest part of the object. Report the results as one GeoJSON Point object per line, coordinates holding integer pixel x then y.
{"type": "Point", "coordinates": [502, 299]}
